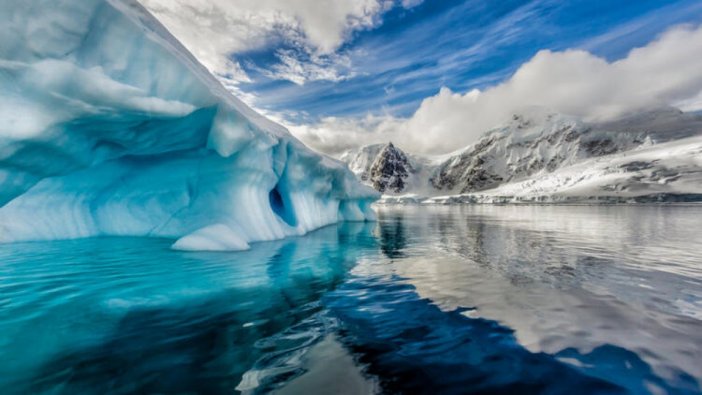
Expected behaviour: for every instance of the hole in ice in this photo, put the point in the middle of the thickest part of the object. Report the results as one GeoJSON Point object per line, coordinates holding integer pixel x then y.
{"type": "Point", "coordinates": [280, 208]}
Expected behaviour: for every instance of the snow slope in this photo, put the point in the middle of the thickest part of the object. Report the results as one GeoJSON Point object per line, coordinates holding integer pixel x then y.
{"type": "Point", "coordinates": [108, 126]}
{"type": "Point", "coordinates": [360, 161]}
{"type": "Point", "coordinates": [659, 171]}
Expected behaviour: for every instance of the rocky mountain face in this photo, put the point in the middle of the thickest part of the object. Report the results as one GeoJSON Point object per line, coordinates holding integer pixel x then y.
{"type": "Point", "coordinates": [525, 147]}
{"type": "Point", "coordinates": [385, 167]}
{"type": "Point", "coordinates": [528, 147]}
{"type": "Point", "coordinates": [390, 169]}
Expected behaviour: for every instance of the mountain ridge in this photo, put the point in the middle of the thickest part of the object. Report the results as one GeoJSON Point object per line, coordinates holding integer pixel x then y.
{"type": "Point", "coordinates": [539, 146]}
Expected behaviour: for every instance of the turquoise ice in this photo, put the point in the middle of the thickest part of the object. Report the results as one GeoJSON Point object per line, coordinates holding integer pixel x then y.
{"type": "Point", "coordinates": [108, 126]}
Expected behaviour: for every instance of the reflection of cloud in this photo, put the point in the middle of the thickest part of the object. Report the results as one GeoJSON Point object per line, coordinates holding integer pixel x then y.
{"type": "Point", "coordinates": [414, 346]}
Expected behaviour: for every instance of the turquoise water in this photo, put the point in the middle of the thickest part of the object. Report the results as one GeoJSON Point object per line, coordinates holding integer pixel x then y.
{"type": "Point", "coordinates": [471, 299]}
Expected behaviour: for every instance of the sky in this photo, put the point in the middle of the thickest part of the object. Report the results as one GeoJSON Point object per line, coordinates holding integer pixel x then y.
{"type": "Point", "coordinates": [433, 75]}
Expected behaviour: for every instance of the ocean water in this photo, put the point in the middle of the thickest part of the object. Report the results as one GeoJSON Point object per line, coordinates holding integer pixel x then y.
{"type": "Point", "coordinates": [463, 299]}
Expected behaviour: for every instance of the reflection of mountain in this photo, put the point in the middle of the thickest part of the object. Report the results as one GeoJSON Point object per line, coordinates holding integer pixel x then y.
{"type": "Point", "coordinates": [564, 277]}
{"type": "Point", "coordinates": [537, 156]}
{"type": "Point", "coordinates": [392, 237]}
{"type": "Point", "coordinates": [415, 347]}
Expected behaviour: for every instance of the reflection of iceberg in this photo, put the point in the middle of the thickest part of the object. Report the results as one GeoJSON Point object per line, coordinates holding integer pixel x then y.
{"type": "Point", "coordinates": [196, 329]}
{"type": "Point", "coordinates": [108, 126]}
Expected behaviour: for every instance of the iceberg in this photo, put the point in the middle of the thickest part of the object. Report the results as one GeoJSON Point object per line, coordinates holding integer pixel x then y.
{"type": "Point", "coordinates": [109, 126]}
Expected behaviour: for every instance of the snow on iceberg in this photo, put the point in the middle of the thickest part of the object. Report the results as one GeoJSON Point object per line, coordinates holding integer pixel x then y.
{"type": "Point", "coordinates": [108, 126]}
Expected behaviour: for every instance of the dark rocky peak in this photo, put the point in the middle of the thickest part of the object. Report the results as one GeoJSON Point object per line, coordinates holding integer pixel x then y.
{"type": "Point", "coordinates": [390, 170]}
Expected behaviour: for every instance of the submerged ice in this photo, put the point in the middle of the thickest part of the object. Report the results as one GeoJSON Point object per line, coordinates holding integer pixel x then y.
{"type": "Point", "coordinates": [108, 126]}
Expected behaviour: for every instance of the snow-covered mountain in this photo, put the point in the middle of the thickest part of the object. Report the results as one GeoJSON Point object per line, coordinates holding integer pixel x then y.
{"type": "Point", "coordinates": [111, 127]}
{"type": "Point", "coordinates": [669, 171]}
{"type": "Point", "coordinates": [360, 161]}
{"type": "Point", "coordinates": [531, 154]}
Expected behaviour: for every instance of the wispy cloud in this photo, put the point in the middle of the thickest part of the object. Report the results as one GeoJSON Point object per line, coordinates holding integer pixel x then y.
{"type": "Point", "coordinates": [304, 37]}
{"type": "Point", "coordinates": [637, 30]}
{"type": "Point", "coordinates": [391, 72]}
{"type": "Point", "coordinates": [216, 31]}
{"type": "Point", "coordinates": [301, 68]}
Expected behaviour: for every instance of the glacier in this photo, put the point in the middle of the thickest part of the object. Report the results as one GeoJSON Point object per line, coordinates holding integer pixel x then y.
{"type": "Point", "coordinates": [109, 126]}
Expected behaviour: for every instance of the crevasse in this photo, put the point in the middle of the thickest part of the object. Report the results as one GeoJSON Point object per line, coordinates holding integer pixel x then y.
{"type": "Point", "coordinates": [108, 126]}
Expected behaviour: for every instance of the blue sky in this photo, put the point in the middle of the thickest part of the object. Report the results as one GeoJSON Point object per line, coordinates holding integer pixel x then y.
{"type": "Point", "coordinates": [462, 45]}
{"type": "Point", "coordinates": [434, 75]}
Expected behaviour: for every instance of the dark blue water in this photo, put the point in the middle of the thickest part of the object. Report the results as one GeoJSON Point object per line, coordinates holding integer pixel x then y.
{"type": "Point", "coordinates": [428, 300]}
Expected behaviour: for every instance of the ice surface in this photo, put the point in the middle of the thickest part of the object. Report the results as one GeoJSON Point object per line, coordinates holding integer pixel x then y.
{"type": "Point", "coordinates": [108, 126]}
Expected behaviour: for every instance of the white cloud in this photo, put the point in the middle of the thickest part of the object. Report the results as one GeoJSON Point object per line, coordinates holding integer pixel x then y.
{"type": "Point", "coordinates": [667, 71]}
{"type": "Point", "coordinates": [334, 135]}
{"type": "Point", "coordinates": [411, 3]}
{"type": "Point", "coordinates": [301, 68]}
{"type": "Point", "coordinates": [214, 30]}
{"type": "Point", "coordinates": [692, 104]}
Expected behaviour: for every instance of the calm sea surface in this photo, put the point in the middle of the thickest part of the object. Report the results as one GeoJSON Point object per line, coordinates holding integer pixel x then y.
{"type": "Point", "coordinates": [463, 299]}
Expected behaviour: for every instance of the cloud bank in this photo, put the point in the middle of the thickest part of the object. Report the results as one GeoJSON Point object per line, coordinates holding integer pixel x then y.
{"type": "Point", "coordinates": [667, 71]}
